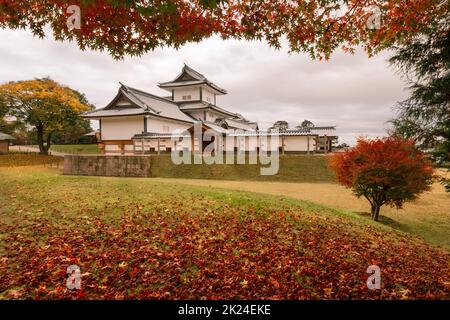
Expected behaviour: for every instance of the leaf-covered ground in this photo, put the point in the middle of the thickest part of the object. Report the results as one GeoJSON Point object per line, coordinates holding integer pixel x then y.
{"type": "Point", "coordinates": [137, 238]}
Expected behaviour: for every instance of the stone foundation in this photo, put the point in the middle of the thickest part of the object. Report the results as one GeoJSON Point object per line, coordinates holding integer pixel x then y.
{"type": "Point", "coordinates": [116, 166]}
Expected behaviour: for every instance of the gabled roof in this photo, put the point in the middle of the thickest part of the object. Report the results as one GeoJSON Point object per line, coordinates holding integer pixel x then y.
{"type": "Point", "coordinates": [141, 103]}
{"type": "Point", "coordinates": [188, 71]}
{"type": "Point", "coordinates": [190, 77]}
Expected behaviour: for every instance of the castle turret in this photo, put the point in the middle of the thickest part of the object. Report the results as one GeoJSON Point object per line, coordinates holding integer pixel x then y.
{"type": "Point", "coordinates": [192, 86]}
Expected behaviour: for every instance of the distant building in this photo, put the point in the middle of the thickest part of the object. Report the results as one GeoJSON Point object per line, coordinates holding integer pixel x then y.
{"type": "Point", "coordinates": [137, 122]}
{"type": "Point", "coordinates": [5, 139]}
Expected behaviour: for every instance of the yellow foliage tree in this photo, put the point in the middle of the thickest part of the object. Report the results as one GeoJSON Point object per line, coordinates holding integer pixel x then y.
{"type": "Point", "coordinates": [43, 104]}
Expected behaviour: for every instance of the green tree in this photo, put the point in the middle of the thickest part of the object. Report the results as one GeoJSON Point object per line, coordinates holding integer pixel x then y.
{"type": "Point", "coordinates": [6, 126]}
{"type": "Point", "coordinates": [425, 115]}
{"type": "Point", "coordinates": [305, 124]}
{"type": "Point", "coordinates": [343, 146]}
{"type": "Point", "coordinates": [44, 105]}
{"type": "Point", "coordinates": [73, 133]}
{"type": "Point", "coordinates": [280, 125]}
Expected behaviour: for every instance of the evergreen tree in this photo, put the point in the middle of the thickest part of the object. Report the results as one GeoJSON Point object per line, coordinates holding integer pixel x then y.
{"type": "Point", "coordinates": [425, 115]}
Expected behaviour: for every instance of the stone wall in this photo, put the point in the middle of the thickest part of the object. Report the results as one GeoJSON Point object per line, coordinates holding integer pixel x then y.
{"type": "Point", "coordinates": [292, 168]}
{"type": "Point", "coordinates": [117, 166]}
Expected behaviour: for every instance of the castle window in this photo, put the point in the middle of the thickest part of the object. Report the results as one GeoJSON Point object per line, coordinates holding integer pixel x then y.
{"type": "Point", "coordinates": [188, 97]}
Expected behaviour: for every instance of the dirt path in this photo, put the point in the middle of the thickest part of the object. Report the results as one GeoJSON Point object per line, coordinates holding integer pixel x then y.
{"type": "Point", "coordinates": [428, 216]}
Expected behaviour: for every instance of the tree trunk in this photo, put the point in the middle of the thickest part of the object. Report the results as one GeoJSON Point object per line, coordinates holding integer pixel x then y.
{"type": "Point", "coordinates": [43, 149]}
{"type": "Point", "coordinates": [375, 211]}
{"type": "Point", "coordinates": [49, 137]}
{"type": "Point", "coordinates": [40, 140]}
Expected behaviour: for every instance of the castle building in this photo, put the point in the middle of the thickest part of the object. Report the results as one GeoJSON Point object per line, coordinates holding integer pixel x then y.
{"type": "Point", "coordinates": [138, 122]}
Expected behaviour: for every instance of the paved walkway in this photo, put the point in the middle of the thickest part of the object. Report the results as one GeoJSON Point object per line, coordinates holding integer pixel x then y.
{"type": "Point", "coordinates": [34, 149]}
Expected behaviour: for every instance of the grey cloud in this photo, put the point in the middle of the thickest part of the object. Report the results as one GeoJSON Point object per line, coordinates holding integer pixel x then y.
{"type": "Point", "coordinates": [353, 92]}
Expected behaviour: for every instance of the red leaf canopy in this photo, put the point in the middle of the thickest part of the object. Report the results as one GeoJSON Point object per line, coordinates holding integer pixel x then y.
{"type": "Point", "coordinates": [316, 27]}
{"type": "Point", "coordinates": [391, 168]}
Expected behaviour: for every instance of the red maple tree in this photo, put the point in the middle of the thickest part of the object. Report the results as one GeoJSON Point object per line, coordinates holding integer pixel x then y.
{"type": "Point", "coordinates": [313, 26]}
{"type": "Point", "coordinates": [385, 171]}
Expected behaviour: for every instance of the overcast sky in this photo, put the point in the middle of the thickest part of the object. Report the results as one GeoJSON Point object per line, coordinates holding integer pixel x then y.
{"type": "Point", "coordinates": [353, 92]}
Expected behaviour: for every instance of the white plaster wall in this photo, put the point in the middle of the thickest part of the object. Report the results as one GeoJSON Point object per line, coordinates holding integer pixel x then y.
{"type": "Point", "coordinates": [298, 143]}
{"type": "Point", "coordinates": [164, 126]}
{"type": "Point", "coordinates": [121, 128]}
{"type": "Point", "coordinates": [111, 147]}
{"type": "Point", "coordinates": [252, 143]}
{"type": "Point", "coordinates": [242, 143]}
{"type": "Point", "coordinates": [180, 92]}
{"type": "Point", "coordinates": [207, 96]}
{"type": "Point", "coordinates": [230, 143]}
{"type": "Point", "coordinates": [185, 143]}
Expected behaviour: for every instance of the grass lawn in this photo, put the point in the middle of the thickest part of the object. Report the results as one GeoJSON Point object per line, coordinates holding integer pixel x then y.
{"type": "Point", "coordinates": [292, 168]}
{"type": "Point", "coordinates": [144, 238]}
{"type": "Point", "coordinates": [75, 148]}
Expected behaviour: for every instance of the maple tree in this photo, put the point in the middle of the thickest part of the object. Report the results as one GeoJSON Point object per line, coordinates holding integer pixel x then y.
{"type": "Point", "coordinates": [316, 27]}
{"type": "Point", "coordinates": [43, 104]}
{"type": "Point", "coordinates": [386, 171]}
